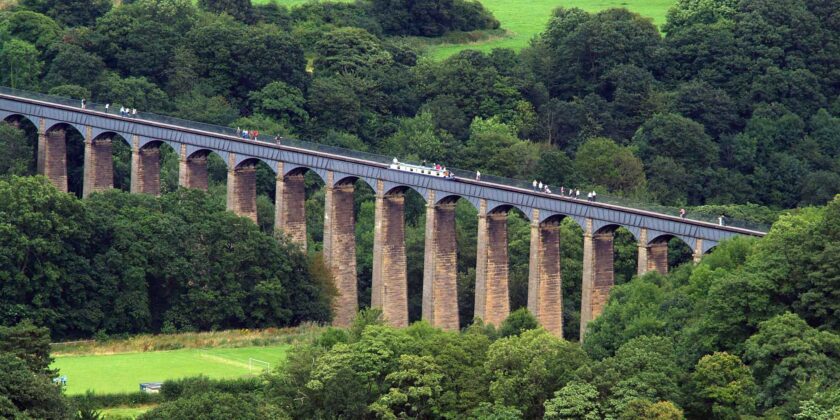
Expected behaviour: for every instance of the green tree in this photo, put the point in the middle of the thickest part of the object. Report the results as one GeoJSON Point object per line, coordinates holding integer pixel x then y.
{"type": "Point", "coordinates": [416, 386]}
{"type": "Point", "coordinates": [281, 101]}
{"type": "Point", "coordinates": [240, 9]}
{"type": "Point", "coordinates": [525, 370]}
{"type": "Point", "coordinates": [786, 352]}
{"type": "Point", "coordinates": [28, 394]}
{"type": "Point", "coordinates": [70, 12]}
{"type": "Point", "coordinates": [134, 92]}
{"type": "Point", "coordinates": [21, 64]}
{"type": "Point", "coordinates": [517, 322]}
{"type": "Point", "coordinates": [30, 344]}
{"type": "Point", "coordinates": [602, 162]}
{"type": "Point", "coordinates": [34, 28]}
{"type": "Point", "coordinates": [72, 65]}
{"type": "Point", "coordinates": [724, 385]}
{"type": "Point", "coordinates": [215, 406]}
{"type": "Point", "coordinates": [576, 400]}
{"type": "Point", "coordinates": [17, 157]}
{"type": "Point", "coordinates": [349, 50]}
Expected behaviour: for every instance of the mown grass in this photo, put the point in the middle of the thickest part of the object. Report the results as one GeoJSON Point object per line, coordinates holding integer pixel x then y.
{"type": "Point", "coordinates": [120, 373]}
{"type": "Point", "coordinates": [523, 19]}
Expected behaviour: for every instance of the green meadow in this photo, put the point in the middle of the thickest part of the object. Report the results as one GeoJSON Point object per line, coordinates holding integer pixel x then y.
{"type": "Point", "coordinates": [123, 372]}
{"type": "Point", "coordinates": [523, 19]}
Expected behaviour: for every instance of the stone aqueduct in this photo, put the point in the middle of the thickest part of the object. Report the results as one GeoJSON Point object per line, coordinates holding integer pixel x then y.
{"type": "Point", "coordinates": [389, 288]}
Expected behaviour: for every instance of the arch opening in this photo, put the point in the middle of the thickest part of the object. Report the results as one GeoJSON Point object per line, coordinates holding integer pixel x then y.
{"type": "Point", "coordinates": [19, 146]}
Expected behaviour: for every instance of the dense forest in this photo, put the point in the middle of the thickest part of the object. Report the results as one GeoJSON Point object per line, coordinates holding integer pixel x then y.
{"type": "Point", "coordinates": [732, 107]}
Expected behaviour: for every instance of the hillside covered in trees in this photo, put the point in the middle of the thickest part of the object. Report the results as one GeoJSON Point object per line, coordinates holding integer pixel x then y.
{"type": "Point", "coordinates": [731, 107]}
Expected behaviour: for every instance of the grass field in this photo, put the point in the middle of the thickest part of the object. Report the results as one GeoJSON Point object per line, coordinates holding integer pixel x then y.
{"type": "Point", "coordinates": [123, 372]}
{"type": "Point", "coordinates": [125, 412]}
{"type": "Point", "coordinates": [522, 19]}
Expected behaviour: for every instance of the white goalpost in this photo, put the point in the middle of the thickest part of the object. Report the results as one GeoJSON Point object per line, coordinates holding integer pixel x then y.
{"type": "Point", "coordinates": [257, 363]}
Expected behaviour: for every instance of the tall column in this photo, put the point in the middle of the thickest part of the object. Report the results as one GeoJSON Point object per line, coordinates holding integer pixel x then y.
{"type": "Point", "coordinates": [192, 171]}
{"type": "Point", "coordinates": [598, 274]}
{"type": "Point", "coordinates": [545, 294]}
{"type": "Point", "coordinates": [641, 246]}
{"type": "Point", "coordinates": [52, 156]}
{"type": "Point", "coordinates": [242, 189]}
{"type": "Point", "coordinates": [290, 207]}
{"type": "Point", "coordinates": [99, 164]}
{"type": "Point", "coordinates": [340, 248]}
{"type": "Point", "coordinates": [145, 168]}
{"type": "Point", "coordinates": [658, 256]}
{"type": "Point", "coordinates": [440, 270]}
{"type": "Point", "coordinates": [390, 279]}
{"type": "Point", "coordinates": [698, 251]}
{"type": "Point", "coordinates": [42, 147]}
{"type": "Point", "coordinates": [492, 300]}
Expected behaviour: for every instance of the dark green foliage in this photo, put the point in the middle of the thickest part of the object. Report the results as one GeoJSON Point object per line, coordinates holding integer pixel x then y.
{"type": "Point", "coordinates": [28, 394]}
{"type": "Point", "coordinates": [70, 12]}
{"type": "Point", "coordinates": [29, 343]}
{"type": "Point", "coordinates": [214, 405]}
{"type": "Point", "coordinates": [517, 322]}
{"type": "Point", "coordinates": [430, 17]}
{"type": "Point", "coordinates": [123, 263]}
{"type": "Point", "coordinates": [240, 9]}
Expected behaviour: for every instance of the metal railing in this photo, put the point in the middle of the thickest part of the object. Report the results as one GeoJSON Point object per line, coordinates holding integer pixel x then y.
{"type": "Point", "coordinates": [377, 158]}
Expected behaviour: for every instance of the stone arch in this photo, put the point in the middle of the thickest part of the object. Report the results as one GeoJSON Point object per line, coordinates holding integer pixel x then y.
{"type": "Point", "coordinates": [194, 169]}
{"type": "Point", "coordinates": [61, 159]}
{"type": "Point", "coordinates": [506, 208]}
{"type": "Point", "coordinates": [404, 189]}
{"type": "Point", "coordinates": [344, 179]}
{"type": "Point", "coordinates": [452, 198]}
{"type": "Point", "coordinates": [12, 117]}
{"type": "Point", "coordinates": [666, 237]}
{"type": "Point", "coordinates": [293, 170]}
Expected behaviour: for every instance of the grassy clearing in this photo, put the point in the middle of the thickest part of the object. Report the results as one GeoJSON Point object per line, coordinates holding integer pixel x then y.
{"type": "Point", "coordinates": [117, 373]}
{"type": "Point", "coordinates": [523, 19]}
{"type": "Point", "coordinates": [215, 339]}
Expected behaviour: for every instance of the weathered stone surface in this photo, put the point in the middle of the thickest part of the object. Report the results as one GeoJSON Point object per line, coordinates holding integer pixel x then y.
{"type": "Point", "coordinates": [192, 170]}
{"type": "Point", "coordinates": [604, 274]}
{"type": "Point", "coordinates": [390, 288]}
{"type": "Point", "coordinates": [440, 285]}
{"type": "Point", "coordinates": [53, 158]}
{"type": "Point", "coordinates": [145, 170]}
{"type": "Point", "coordinates": [242, 191]}
{"type": "Point", "coordinates": [658, 257]}
{"type": "Point", "coordinates": [492, 299]}
{"type": "Point", "coordinates": [99, 165]}
{"type": "Point", "coordinates": [598, 275]}
{"type": "Point", "coordinates": [290, 208]}
{"type": "Point", "coordinates": [340, 249]}
{"type": "Point", "coordinates": [545, 294]}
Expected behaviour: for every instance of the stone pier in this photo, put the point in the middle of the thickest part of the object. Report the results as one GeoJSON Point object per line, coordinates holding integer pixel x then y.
{"type": "Point", "coordinates": [290, 206]}
{"type": "Point", "coordinates": [145, 168]}
{"type": "Point", "coordinates": [545, 294]}
{"type": "Point", "coordinates": [698, 251]}
{"type": "Point", "coordinates": [492, 299]}
{"type": "Point", "coordinates": [440, 269]}
{"type": "Point", "coordinates": [52, 156]}
{"type": "Point", "coordinates": [340, 248]}
{"type": "Point", "coordinates": [390, 284]}
{"type": "Point", "coordinates": [658, 256]}
{"type": "Point", "coordinates": [99, 164]}
{"type": "Point", "coordinates": [192, 170]}
{"type": "Point", "coordinates": [242, 188]}
{"type": "Point", "coordinates": [598, 276]}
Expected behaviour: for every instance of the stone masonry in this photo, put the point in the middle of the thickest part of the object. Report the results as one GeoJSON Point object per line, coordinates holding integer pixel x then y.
{"type": "Point", "coordinates": [390, 287]}
{"type": "Point", "coordinates": [492, 301]}
{"type": "Point", "coordinates": [54, 157]}
{"type": "Point", "coordinates": [545, 294]}
{"type": "Point", "coordinates": [440, 285]}
{"type": "Point", "coordinates": [145, 169]}
{"type": "Point", "coordinates": [290, 207]}
{"type": "Point", "coordinates": [99, 165]}
{"type": "Point", "coordinates": [340, 249]}
{"type": "Point", "coordinates": [598, 276]}
{"type": "Point", "coordinates": [192, 170]}
{"type": "Point", "coordinates": [658, 256]}
{"type": "Point", "coordinates": [242, 190]}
